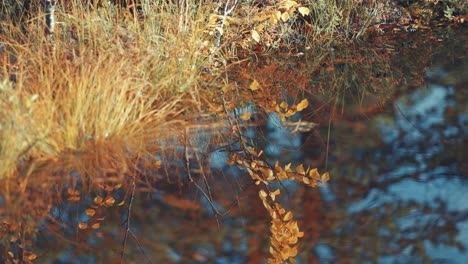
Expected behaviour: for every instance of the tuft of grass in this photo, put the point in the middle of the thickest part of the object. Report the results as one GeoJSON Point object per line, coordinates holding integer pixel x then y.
{"type": "Point", "coordinates": [106, 79]}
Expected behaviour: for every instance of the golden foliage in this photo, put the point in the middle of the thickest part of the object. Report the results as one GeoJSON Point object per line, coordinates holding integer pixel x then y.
{"type": "Point", "coordinates": [284, 229]}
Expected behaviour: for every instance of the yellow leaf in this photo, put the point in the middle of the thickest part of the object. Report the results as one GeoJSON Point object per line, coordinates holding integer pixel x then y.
{"type": "Point", "coordinates": [313, 173]}
{"type": "Point", "coordinates": [288, 216]}
{"type": "Point", "coordinates": [11, 254]}
{"type": "Point", "coordinates": [272, 251]}
{"type": "Point", "coordinates": [288, 4]}
{"type": "Point", "coordinates": [259, 28]}
{"type": "Point", "coordinates": [30, 256]}
{"type": "Point", "coordinates": [90, 212]}
{"type": "Point", "coordinates": [304, 11]}
{"type": "Point", "coordinates": [284, 105]}
{"type": "Point", "coordinates": [277, 15]}
{"type": "Point", "coordinates": [300, 169]}
{"type": "Point", "coordinates": [260, 18]}
{"type": "Point", "coordinates": [287, 168]}
{"type": "Point", "coordinates": [325, 177]}
{"type": "Point", "coordinates": [306, 180]}
{"type": "Point", "coordinates": [98, 200]}
{"type": "Point", "coordinates": [254, 85]}
{"type": "Point", "coordinates": [262, 194]}
{"type": "Point", "coordinates": [109, 201]}
{"type": "Point", "coordinates": [246, 115]}
{"type": "Point", "coordinates": [255, 35]}
{"type": "Point", "coordinates": [302, 105]}
{"type": "Point", "coordinates": [215, 109]}
{"type": "Point", "coordinates": [282, 211]}
{"type": "Point", "coordinates": [273, 20]}
{"type": "Point", "coordinates": [284, 16]}
{"type": "Point", "coordinates": [83, 225]}
{"type": "Point", "coordinates": [290, 112]}
{"type": "Point", "coordinates": [95, 225]}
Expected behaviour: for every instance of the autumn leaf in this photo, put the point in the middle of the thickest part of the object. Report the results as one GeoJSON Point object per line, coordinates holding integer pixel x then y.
{"type": "Point", "coordinates": [304, 11]}
{"type": "Point", "coordinates": [300, 169]}
{"type": "Point", "coordinates": [95, 225]}
{"type": "Point", "coordinates": [325, 177]}
{"type": "Point", "coordinates": [313, 173]}
{"type": "Point", "coordinates": [284, 105]}
{"type": "Point", "coordinates": [255, 36]}
{"type": "Point", "coordinates": [215, 109]}
{"type": "Point", "coordinates": [254, 85]}
{"type": "Point", "coordinates": [289, 4]}
{"type": "Point", "coordinates": [245, 116]}
{"type": "Point", "coordinates": [288, 216]}
{"type": "Point", "coordinates": [30, 256]}
{"type": "Point", "coordinates": [73, 199]}
{"type": "Point", "coordinates": [109, 201]}
{"type": "Point", "coordinates": [284, 16]}
{"type": "Point", "coordinates": [83, 225]}
{"type": "Point", "coordinates": [158, 164]}
{"type": "Point", "coordinates": [98, 200]}
{"type": "Point", "coordinates": [302, 105]}
{"type": "Point", "coordinates": [90, 212]}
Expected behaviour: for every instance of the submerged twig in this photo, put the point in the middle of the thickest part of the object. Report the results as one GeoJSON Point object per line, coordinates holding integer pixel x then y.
{"type": "Point", "coordinates": [127, 226]}
{"type": "Point", "coordinates": [208, 195]}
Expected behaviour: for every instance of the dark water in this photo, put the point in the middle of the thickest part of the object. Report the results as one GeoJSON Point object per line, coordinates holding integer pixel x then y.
{"type": "Point", "coordinates": [392, 117]}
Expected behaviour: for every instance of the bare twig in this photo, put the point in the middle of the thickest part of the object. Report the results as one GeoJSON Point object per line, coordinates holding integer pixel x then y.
{"type": "Point", "coordinates": [127, 226]}
{"type": "Point", "coordinates": [208, 195]}
{"type": "Point", "coordinates": [227, 10]}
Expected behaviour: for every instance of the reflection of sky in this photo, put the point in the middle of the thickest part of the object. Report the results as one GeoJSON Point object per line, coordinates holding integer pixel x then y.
{"type": "Point", "coordinates": [416, 135]}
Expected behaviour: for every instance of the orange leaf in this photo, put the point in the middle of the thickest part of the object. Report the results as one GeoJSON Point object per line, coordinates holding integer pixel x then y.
{"type": "Point", "coordinates": [325, 177]}
{"type": "Point", "coordinates": [73, 199]}
{"type": "Point", "coordinates": [30, 256]}
{"type": "Point", "coordinates": [90, 212]}
{"type": "Point", "coordinates": [98, 200]}
{"type": "Point", "coordinates": [83, 225]}
{"type": "Point", "coordinates": [109, 201]}
{"type": "Point", "coordinates": [246, 115]}
{"type": "Point", "coordinates": [158, 164]}
{"type": "Point", "coordinates": [300, 169]}
{"type": "Point", "coordinates": [313, 173]}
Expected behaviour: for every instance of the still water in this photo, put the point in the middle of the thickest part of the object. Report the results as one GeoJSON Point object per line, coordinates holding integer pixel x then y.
{"type": "Point", "coordinates": [391, 117]}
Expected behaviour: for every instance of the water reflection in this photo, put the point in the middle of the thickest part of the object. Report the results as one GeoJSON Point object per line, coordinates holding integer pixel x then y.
{"type": "Point", "coordinates": [392, 131]}
{"type": "Point", "coordinates": [401, 189]}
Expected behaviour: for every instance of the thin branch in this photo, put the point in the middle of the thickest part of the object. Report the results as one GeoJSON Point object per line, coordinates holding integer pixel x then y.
{"type": "Point", "coordinates": [127, 226]}
{"type": "Point", "coordinates": [226, 12]}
